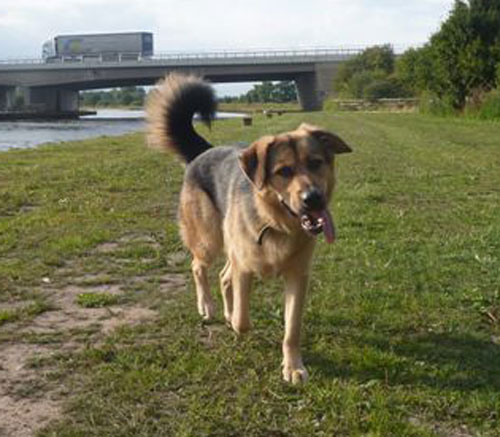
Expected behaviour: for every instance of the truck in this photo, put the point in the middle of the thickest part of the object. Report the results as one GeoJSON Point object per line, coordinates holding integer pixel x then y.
{"type": "Point", "coordinates": [112, 47]}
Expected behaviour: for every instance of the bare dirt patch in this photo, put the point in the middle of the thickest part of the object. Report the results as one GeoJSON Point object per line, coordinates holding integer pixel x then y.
{"type": "Point", "coordinates": [140, 239]}
{"type": "Point", "coordinates": [27, 401]}
{"type": "Point", "coordinates": [29, 398]}
{"type": "Point", "coordinates": [69, 316]}
{"type": "Point", "coordinates": [16, 305]}
{"type": "Point", "coordinates": [107, 247]}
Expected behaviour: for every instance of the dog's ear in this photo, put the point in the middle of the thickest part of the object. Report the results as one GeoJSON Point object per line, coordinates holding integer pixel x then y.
{"type": "Point", "coordinates": [333, 142]}
{"type": "Point", "coordinates": [253, 161]}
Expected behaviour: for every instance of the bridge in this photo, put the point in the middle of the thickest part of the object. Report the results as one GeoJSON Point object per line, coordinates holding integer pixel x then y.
{"type": "Point", "coordinates": [53, 87]}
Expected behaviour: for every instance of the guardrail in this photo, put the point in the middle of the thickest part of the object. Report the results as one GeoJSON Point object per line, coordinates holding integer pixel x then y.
{"type": "Point", "coordinates": [375, 104]}
{"type": "Point", "coordinates": [226, 55]}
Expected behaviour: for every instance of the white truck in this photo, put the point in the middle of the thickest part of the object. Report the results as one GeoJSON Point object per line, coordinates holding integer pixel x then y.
{"type": "Point", "coordinates": [107, 47]}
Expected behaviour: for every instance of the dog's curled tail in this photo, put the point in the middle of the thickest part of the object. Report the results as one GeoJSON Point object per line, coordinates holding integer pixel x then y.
{"type": "Point", "coordinates": [170, 108]}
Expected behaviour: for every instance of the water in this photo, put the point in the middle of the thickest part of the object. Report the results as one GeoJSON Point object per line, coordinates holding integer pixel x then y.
{"type": "Point", "coordinates": [107, 122]}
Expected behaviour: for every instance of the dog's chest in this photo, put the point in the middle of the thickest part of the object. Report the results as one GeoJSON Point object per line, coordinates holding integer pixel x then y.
{"type": "Point", "coordinates": [274, 254]}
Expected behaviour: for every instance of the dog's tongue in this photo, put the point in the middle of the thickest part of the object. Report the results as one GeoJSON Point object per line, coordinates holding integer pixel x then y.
{"type": "Point", "coordinates": [328, 226]}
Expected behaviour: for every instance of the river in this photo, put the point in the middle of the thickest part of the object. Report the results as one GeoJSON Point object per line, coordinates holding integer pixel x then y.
{"type": "Point", "coordinates": [107, 122]}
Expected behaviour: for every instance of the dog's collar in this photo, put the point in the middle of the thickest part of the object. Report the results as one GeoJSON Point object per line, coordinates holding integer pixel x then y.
{"type": "Point", "coordinates": [268, 227]}
{"type": "Point", "coordinates": [260, 237]}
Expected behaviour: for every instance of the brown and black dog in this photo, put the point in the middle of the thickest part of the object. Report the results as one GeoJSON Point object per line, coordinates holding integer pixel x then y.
{"type": "Point", "coordinates": [261, 205]}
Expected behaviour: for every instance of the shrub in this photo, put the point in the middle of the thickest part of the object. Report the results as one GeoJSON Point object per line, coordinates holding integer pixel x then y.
{"type": "Point", "coordinates": [384, 89]}
{"type": "Point", "coordinates": [434, 105]}
{"type": "Point", "coordinates": [490, 106]}
{"type": "Point", "coordinates": [355, 87]}
{"type": "Point", "coordinates": [330, 105]}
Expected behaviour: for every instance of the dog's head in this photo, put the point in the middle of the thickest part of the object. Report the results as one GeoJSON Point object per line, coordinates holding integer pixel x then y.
{"type": "Point", "coordinates": [297, 169]}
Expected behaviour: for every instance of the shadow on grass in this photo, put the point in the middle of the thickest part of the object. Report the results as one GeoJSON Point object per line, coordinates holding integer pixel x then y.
{"type": "Point", "coordinates": [443, 361]}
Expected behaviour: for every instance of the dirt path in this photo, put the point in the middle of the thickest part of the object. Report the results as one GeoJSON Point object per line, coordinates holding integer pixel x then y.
{"type": "Point", "coordinates": [30, 393]}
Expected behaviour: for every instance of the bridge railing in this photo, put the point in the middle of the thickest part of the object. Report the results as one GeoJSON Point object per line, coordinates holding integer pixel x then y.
{"type": "Point", "coordinates": [222, 55]}
{"type": "Point", "coordinates": [270, 53]}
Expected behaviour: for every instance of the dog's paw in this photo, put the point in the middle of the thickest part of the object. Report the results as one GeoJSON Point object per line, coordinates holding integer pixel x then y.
{"type": "Point", "coordinates": [295, 375]}
{"type": "Point", "coordinates": [228, 317]}
{"type": "Point", "coordinates": [240, 327]}
{"type": "Point", "coordinates": [206, 310]}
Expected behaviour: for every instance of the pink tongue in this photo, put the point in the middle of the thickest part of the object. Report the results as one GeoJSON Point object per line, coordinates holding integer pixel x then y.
{"type": "Point", "coordinates": [328, 226]}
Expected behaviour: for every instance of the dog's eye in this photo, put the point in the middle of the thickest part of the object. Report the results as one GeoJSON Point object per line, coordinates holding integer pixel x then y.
{"type": "Point", "coordinates": [286, 172]}
{"type": "Point", "coordinates": [314, 164]}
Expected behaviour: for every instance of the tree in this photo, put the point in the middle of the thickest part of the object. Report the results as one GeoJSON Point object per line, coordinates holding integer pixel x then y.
{"type": "Point", "coordinates": [378, 58]}
{"type": "Point", "coordinates": [461, 57]}
{"type": "Point", "coordinates": [374, 64]}
{"type": "Point", "coordinates": [284, 92]}
{"type": "Point", "coordinates": [116, 97]}
{"type": "Point", "coordinates": [414, 69]}
{"type": "Point", "coordinates": [279, 92]}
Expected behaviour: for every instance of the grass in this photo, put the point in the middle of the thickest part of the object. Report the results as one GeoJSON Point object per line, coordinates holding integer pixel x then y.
{"type": "Point", "coordinates": [25, 312]}
{"type": "Point", "coordinates": [257, 107]}
{"type": "Point", "coordinates": [96, 300]}
{"type": "Point", "coordinates": [402, 325]}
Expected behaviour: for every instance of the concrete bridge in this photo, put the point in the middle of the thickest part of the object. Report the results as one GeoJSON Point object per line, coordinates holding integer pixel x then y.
{"type": "Point", "coordinates": [53, 87]}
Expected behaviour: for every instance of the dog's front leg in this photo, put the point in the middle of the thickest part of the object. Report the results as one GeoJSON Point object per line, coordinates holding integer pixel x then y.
{"type": "Point", "coordinates": [226, 288]}
{"type": "Point", "coordinates": [242, 284]}
{"type": "Point", "coordinates": [295, 295]}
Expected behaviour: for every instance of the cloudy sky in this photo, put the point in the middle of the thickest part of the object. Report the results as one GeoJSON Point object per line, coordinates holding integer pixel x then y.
{"type": "Point", "coordinates": [192, 25]}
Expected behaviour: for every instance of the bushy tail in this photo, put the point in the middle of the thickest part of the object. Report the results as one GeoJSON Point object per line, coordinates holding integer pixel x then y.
{"type": "Point", "coordinates": [170, 108]}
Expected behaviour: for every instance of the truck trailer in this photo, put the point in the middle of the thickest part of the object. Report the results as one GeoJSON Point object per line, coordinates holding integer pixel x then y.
{"type": "Point", "coordinates": [102, 46]}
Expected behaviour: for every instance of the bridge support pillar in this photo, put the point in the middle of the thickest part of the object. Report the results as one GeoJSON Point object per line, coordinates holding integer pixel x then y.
{"type": "Point", "coordinates": [314, 88]}
{"type": "Point", "coordinates": [325, 72]}
{"type": "Point", "coordinates": [51, 99]}
{"type": "Point", "coordinates": [7, 98]}
{"type": "Point", "coordinates": [307, 90]}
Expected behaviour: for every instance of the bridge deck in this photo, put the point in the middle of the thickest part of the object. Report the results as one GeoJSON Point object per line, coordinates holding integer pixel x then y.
{"type": "Point", "coordinates": [54, 85]}
{"type": "Point", "coordinates": [254, 57]}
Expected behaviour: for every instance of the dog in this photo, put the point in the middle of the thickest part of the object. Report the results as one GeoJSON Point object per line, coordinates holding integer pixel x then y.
{"type": "Point", "coordinates": [261, 205]}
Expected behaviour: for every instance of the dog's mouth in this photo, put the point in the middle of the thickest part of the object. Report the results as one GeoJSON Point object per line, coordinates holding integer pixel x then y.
{"type": "Point", "coordinates": [315, 222]}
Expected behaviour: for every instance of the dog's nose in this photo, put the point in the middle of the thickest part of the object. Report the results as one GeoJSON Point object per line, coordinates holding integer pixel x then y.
{"type": "Point", "coordinates": [313, 200]}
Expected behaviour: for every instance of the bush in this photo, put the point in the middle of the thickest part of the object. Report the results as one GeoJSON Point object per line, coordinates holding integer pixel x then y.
{"type": "Point", "coordinates": [489, 108]}
{"type": "Point", "coordinates": [384, 89]}
{"type": "Point", "coordinates": [434, 105]}
{"type": "Point", "coordinates": [374, 63]}
{"type": "Point", "coordinates": [330, 105]}
{"type": "Point", "coordinates": [356, 85]}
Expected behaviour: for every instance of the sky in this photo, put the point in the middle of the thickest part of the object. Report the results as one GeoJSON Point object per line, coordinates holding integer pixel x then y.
{"type": "Point", "coordinates": [202, 25]}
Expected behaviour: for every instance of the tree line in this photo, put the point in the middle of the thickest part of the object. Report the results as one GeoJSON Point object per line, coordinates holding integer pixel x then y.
{"type": "Point", "coordinates": [267, 92]}
{"type": "Point", "coordinates": [127, 96]}
{"type": "Point", "coordinates": [273, 92]}
{"type": "Point", "coordinates": [457, 70]}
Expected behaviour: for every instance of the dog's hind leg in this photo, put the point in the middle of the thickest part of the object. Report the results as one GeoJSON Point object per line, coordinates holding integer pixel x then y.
{"type": "Point", "coordinates": [206, 305]}
{"type": "Point", "coordinates": [226, 288]}
{"type": "Point", "coordinates": [201, 232]}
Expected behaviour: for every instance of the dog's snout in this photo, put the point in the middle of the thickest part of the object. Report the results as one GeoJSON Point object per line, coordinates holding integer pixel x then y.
{"type": "Point", "coordinates": [313, 199]}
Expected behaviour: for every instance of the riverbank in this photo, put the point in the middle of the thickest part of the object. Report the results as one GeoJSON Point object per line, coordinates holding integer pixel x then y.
{"type": "Point", "coordinates": [100, 335]}
{"type": "Point", "coordinates": [258, 108]}
{"type": "Point", "coordinates": [30, 115]}
{"type": "Point", "coordinates": [106, 122]}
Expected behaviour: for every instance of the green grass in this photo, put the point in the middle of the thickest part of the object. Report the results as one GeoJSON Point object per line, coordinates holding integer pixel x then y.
{"type": "Point", "coordinates": [96, 300]}
{"type": "Point", "coordinates": [257, 107]}
{"type": "Point", "coordinates": [401, 333]}
{"type": "Point", "coordinates": [24, 312]}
